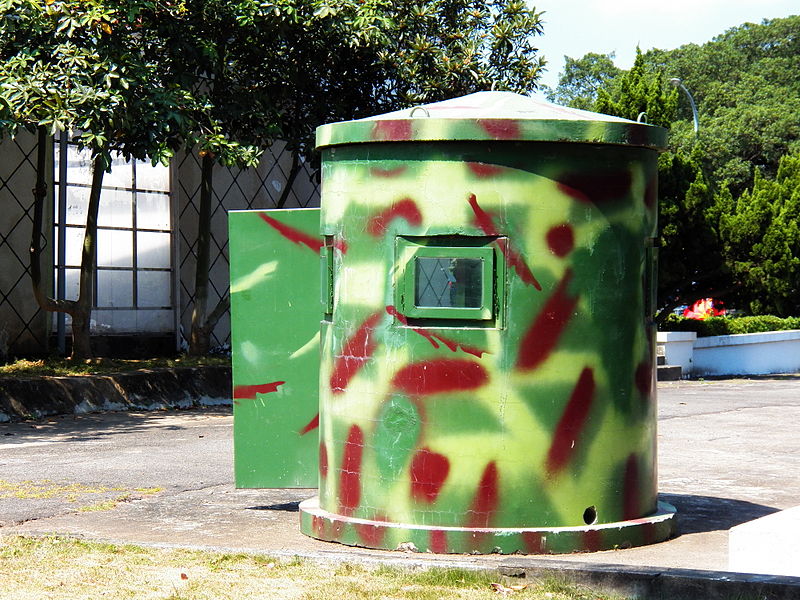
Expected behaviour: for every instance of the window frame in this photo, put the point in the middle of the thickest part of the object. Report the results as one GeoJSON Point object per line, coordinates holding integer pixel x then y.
{"type": "Point", "coordinates": [485, 249]}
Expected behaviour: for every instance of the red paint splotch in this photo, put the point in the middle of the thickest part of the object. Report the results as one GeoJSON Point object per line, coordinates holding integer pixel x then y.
{"type": "Point", "coordinates": [484, 221]}
{"type": "Point", "coordinates": [631, 492]}
{"type": "Point", "coordinates": [371, 535]}
{"type": "Point", "coordinates": [428, 473]}
{"type": "Point", "coordinates": [561, 240]}
{"type": "Point", "coordinates": [318, 526]}
{"type": "Point", "coordinates": [404, 209]}
{"type": "Point", "coordinates": [350, 472]}
{"type": "Point", "coordinates": [438, 376]}
{"type": "Point", "coordinates": [323, 460]}
{"type": "Point", "coordinates": [482, 170]}
{"type": "Point", "coordinates": [391, 130]}
{"type": "Point", "coordinates": [543, 334]}
{"type": "Point", "coordinates": [292, 234]}
{"type": "Point", "coordinates": [595, 188]}
{"type": "Point", "coordinates": [438, 541]}
{"type": "Point", "coordinates": [248, 392]}
{"type": "Point", "coordinates": [500, 129]}
{"type": "Point", "coordinates": [356, 352]}
{"type": "Point", "coordinates": [535, 542]}
{"type": "Point", "coordinates": [644, 378]}
{"type": "Point", "coordinates": [311, 425]}
{"type": "Point", "coordinates": [393, 172]}
{"type": "Point", "coordinates": [572, 422]}
{"type": "Point", "coordinates": [451, 344]}
{"type": "Point", "coordinates": [486, 500]}
{"type": "Point", "coordinates": [340, 245]}
{"type": "Point", "coordinates": [592, 540]}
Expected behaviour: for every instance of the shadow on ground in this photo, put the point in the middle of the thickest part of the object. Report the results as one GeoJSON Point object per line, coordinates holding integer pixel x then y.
{"type": "Point", "coordinates": [700, 514]}
{"type": "Point", "coordinates": [99, 425]}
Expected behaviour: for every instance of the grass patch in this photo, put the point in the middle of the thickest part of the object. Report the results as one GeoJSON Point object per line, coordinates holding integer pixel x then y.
{"type": "Point", "coordinates": [73, 493]}
{"type": "Point", "coordinates": [62, 568]}
{"type": "Point", "coordinates": [62, 367]}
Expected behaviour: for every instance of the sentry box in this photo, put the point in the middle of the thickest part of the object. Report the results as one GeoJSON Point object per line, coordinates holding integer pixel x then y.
{"type": "Point", "coordinates": [485, 357]}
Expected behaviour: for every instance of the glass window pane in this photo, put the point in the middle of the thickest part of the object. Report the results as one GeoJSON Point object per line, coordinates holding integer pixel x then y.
{"type": "Point", "coordinates": [155, 321]}
{"type": "Point", "coordinates": [77, 205]}
{"type": "Point", "coordinates": [121, 174]}
{"type": "Point", "coordinates": [152, 211]}
{"type": "Point", "coordinates": [149, 177]}
{"type": "Point", "coordinates": [114, 248]}
{"type": "Point", "coordinates": [448, 282]}
{"type": "Point", "coordinates": [79, 166]}
{"type": "Point", "coordinates": [74, 246]}
{"type": "Point", "coordinates": [71, 284]}
{"type": "Point", "coordinates": [115, 209]}
{"type": "Point", "coordinates": [114, 288]}
{"type": "Point", "coordinates": [154, 288]}
{"type": "Point", "coordinates": [153, 250]}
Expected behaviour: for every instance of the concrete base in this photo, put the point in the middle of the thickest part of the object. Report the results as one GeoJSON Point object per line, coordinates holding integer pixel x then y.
{"type": "Point", "coordinates": [769, 545]}
{"type": "Point", "coordinates": [318, 523]}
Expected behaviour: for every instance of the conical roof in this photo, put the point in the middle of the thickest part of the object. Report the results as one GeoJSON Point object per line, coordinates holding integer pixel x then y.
{"type": "Point", "coordinates": [498, 116]}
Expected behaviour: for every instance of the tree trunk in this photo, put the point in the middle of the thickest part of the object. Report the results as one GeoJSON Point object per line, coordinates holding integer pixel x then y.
{"type": "Point", "coordinates": [81, 309]}
{"type": "Point", "coordinates": [201, 333]}
{"type": "Point", "coordinates": [82, 312]}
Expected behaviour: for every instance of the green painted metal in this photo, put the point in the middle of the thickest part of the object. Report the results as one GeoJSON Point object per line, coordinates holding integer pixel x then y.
{"type": "Point", "coordinates": [275, 291]}
{"type": "Point", "coordinates": [531, 433]}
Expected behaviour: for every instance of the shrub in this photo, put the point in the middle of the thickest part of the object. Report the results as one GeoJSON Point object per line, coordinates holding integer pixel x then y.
{"type": "Point", "coordinates": [730, 325]}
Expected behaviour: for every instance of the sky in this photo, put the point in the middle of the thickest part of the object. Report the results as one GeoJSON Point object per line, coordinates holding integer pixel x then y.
{"type": "Point", "coordinates": [575, 27]}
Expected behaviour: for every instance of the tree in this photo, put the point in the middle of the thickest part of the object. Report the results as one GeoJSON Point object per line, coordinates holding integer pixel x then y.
{"type": "Point", "coordinates": [277, 70]}
{"type": "Point", "coordinates": [746, 83]}
{"type": "Point", "coordinates": [640, 90]}
{"type": "Point", "coordinates": [83, 66]}
{"type": "Point", "coordinates": [582, 78]}
{"type": "Point", "coordinates": [762, 241]}
{"type": "Point", "coordinates": [690, 258]}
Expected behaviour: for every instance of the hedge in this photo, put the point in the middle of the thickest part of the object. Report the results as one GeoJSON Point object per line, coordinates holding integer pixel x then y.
{"type": "Point", "coordinates": [730, 325]}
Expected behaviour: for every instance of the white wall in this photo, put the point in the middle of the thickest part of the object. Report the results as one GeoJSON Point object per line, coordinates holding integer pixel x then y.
{"type": "Point", "coordinates": [740, 354]}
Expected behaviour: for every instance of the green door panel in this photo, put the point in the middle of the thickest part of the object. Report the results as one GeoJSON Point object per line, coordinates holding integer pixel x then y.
{"type": "Point", "coordinates": [275, 315]}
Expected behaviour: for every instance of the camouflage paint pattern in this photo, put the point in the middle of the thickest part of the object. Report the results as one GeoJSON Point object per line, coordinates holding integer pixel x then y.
{"type": "Point", "coordinates": [275, 291]}
{"type": "Point", "coordinates": [534, 431]}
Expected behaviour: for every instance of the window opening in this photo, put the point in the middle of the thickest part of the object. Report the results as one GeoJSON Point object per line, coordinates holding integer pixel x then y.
{"type": "Point", "coordinates": [133, 286]}
{"type": "Point", "coordinates": [450, 281]}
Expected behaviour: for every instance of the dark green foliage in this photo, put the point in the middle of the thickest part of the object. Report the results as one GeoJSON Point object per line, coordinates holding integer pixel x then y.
{"type": "Point", "coordinates": [761, 241]}
{"type": "Point", "coordinates": [582, 78]}
{"type": "Point", "coordinates": [747, 86]}
{"type": "Point", "coordinates": [718, 238]}
{"type": "Point", "coordinates": [730, 325]}
{"type": "Point", "coordinates": [691, 261]}
{"type": "Point", "coordinates": [640, 90]}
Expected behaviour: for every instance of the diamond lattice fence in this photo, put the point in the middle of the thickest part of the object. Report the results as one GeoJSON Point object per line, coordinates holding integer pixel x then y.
{"type": "Point", "coordinates": [23, 326]}
{"type": "Point", "coordinates": [233, 189]}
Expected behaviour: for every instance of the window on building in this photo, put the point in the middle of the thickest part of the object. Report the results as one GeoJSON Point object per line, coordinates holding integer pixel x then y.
{"type": "Point", "coordinates": [134, 283]}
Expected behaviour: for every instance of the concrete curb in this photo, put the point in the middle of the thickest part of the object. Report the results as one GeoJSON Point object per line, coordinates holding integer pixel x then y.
{"type": "Point", "coordinates": [149, 389]}
{"type": "Point", "coordinates": [658, 583]}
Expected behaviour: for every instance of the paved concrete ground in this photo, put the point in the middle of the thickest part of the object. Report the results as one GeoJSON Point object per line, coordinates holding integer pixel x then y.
{"type": "Point", "coordinates": [729, 452]}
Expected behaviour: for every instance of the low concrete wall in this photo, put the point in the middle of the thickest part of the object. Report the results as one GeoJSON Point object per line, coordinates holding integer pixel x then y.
{"type": "Point", "coordinates": [678, 348]}
{"type": "Point", "coordinates": [155, 389]}
{"type": "Point", "coordinates": [741, 354]}
{"type": "Point", "coordinates": [748, 354]}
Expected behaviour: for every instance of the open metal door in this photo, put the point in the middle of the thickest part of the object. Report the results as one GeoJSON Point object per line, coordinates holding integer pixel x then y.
{"type": "Point", "coordinates": [275, 317]}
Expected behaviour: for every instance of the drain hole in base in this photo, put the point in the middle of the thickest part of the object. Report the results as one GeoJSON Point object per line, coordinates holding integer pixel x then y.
{"type": "Point", "coordinates": [590, 515]}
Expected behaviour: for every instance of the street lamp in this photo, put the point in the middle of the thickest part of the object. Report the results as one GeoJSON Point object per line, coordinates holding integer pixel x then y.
{"type": "Point", "coordinates": [678, 83]}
